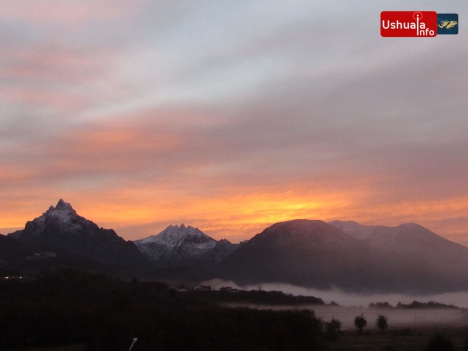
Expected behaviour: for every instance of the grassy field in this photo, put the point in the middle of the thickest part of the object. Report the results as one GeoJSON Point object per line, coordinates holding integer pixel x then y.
{"type": "Point", "coordinates": [398, 339]}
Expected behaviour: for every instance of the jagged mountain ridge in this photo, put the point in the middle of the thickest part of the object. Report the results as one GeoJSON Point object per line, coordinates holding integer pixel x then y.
{"type": "Point", "coordinates": [181, 245]}
{"type": "Point", "coordinates": [60, 229]}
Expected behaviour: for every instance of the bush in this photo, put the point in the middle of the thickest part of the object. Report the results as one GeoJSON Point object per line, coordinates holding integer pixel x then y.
{"type": "Point", "coordinates": [440, 342]}
{"type": "Point", "coordinates": [332, 329]}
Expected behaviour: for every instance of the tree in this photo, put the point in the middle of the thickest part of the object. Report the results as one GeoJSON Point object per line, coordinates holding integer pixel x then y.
{"type": "Point", "coordinates": [332, 329]}
{"type": "Point", "coordinates": [360, 322]}
{"type": "Point", "coordinates": [440, 342]}
{"type": "Point", "coordinates": [381, 323]}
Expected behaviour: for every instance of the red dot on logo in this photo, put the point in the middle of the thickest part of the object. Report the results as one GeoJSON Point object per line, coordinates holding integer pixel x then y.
{"type": "Point", "coordinates": [417, 15]}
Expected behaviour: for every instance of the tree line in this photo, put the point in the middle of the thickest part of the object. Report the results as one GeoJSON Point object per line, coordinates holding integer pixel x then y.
{"type": "Point", "coordinates": [103, 313]}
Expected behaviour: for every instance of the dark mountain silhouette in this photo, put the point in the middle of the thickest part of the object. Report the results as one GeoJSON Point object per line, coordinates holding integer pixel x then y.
{"type": "Point", "coordinates": [11, 248]}
{"type": "Point", "coordinates": [222, 249]}
{"type": "Point", "coordinates": [346, 255]}
{"type": "Point", "coordinates": [409, 237]}
{"type": "Point", "coordinates": [62, 231]}
{"type": "Point", "coordinates": [320, 255]}
{"type": "Point", "coordinates": [417, 246]}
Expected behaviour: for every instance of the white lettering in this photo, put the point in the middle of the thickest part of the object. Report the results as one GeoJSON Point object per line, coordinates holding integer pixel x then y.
{"type": "Point", "coordinates": [426, 32]}
{"type": "Point", "coordinates": [418, 26]}
{"type": "Point", "coordinates": [398, 25]}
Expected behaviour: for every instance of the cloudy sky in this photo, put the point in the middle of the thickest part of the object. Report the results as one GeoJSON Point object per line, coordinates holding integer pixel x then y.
{"type": "Point", "coordinates": [231, 115]}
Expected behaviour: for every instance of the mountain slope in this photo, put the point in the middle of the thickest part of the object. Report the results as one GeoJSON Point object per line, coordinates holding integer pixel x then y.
{"type": "Point", "coordinates": [319, 255]}
{"type": "Point", "coordinates": [408, 237]}
{"type": "Point", "coordinates": [61, 230]}
{"type": "Point", "coordinates": [183, 246]}
{"type": "Point", "coordinates": [301, 252]}
{"type": "Point", "coordinates": [415, 245]}
{"type": "Point", "coordinates": [11, 248]}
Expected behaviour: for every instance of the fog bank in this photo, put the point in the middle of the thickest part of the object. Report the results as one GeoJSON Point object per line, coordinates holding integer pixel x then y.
{"type": "Point", "coordinates": [459, 299]}
{"type": "Point", "coordinates": [352, 305]}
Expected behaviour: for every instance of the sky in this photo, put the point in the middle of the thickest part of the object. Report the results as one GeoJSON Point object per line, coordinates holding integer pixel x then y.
{"type": "Point", "coordinates": [230, 116]}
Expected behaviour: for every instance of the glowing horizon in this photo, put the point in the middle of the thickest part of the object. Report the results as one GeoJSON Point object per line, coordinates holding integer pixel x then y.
{"type": "Point", "coordinates": [244, 221]}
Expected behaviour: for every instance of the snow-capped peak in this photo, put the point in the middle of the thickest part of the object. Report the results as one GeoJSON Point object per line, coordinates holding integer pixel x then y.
{"type": "Point", "coordinates": [63, 211]}
{"type": "Point", "coordinates": [62, 205]}
{"type": "Point", "coordinates": [176, 235]}
{"type": "Point", "coordinates": [62, 217]}
{"type": "Point", "coordinates": [181, 244]}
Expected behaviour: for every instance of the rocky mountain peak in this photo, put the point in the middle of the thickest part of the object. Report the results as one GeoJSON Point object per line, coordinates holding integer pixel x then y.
{"type": "Point", "coordinates": [60, 229]}
{"type": "Point", "coordinates": [63, 211]}
{"type": "Point", "coordinates": [183, 245]}
{"type": "Point", "coordinates": [62, 205]}
{"type": "Point", "coordinates": [175, 235]}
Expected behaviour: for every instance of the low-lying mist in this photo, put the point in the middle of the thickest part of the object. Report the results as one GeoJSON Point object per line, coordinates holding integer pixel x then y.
{"type": "Point", "coordinates": [459, 299]}
{"type": "Point", "coordinates": [352, 305]}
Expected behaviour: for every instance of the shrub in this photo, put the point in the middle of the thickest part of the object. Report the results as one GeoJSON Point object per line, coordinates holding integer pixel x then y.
{"type": "Point", "coordinates": [440, 342]}
{"type": "Point", "coordinates": [332, 329]}
{"type": "Point", "coordinates": [360, 322]}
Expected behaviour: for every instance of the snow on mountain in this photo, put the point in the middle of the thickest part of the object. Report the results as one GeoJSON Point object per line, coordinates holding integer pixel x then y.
{"type": "Point", "coordinates": [62, 216]}
{"type": "Point", "coordinates": [60, 229]}
{"type": "Point", "coordinates": [181, 244]}
{"type": "Point", "coordinates": [175, 235]}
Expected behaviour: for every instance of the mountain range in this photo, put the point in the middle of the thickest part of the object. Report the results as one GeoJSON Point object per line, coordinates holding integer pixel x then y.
{"type": "Point", "coordinates": [350, 257]}
{"type": "Point", "coordinates": [61, 237]}
{"type": "Point", "coordinates": [341, 254]}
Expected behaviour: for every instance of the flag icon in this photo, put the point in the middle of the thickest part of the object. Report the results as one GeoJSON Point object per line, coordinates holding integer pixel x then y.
{"type": "Point", "coordinates": [447, 23]}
